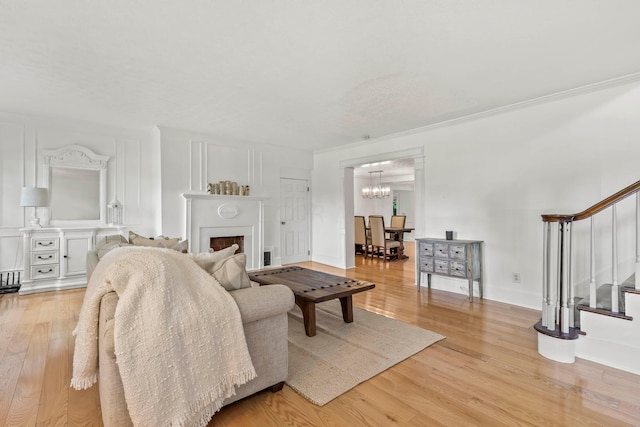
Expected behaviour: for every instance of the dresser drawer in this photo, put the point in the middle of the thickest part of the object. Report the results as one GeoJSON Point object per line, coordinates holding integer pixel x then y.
{"type": "Point", "coordinates": [46, 271]}
{"type": "Point", "coordinates": [44, 244]}
{"type": "Point", "coordinates": [426, 264]}
{"type": "Point", "coordinates": [441, 250]}
{"type": "Point", "coordinates": [458, 269]}
{"type": "Point", "coordinates": [44, 257]}
{"type": "Point", "coordinates": [426, 249]}
{"type": "Point", "coordinates": [457, 251]}
{"type": "Point", "coordinates": [441, 266]}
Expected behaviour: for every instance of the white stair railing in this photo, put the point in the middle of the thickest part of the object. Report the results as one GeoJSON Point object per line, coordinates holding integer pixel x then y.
{"type": "Point", "coordinates": [557, 270]}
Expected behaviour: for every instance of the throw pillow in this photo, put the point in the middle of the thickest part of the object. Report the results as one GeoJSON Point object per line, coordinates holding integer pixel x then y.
{"type": "Point", "coordinates": [182, 246]}
{"type": "Point", "coordinates": [232, 273]}
{"type": "Point", "coordinates": [207, 261]}
{"type": "Point", "coordinates": [110, 239]}
{"type": "Point", "coordinates": [102, 251]}
{"type": "Point", "coordinates": [138, 240]}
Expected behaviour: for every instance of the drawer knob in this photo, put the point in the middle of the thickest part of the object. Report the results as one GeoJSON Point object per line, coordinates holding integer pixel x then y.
{"type": "Point", "coordinates": [45, 244]}
{"type": "Point", "coordinates": [43, 272]}
{"type": "Point", "coordinates": [43, 258]}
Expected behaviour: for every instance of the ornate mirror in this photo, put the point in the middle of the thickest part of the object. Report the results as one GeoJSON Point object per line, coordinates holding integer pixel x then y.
{"type": "Point", "coordinates": [77, 181]}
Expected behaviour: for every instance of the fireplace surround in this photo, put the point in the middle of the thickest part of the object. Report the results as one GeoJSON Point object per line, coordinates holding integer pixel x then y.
{"type": "Point", "coordinates": [209, 216]}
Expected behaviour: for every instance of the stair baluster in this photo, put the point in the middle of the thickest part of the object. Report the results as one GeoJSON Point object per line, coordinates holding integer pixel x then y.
{"type": "Point", "coordinates": [637, 277]}
{"type": "Point", "coordinates": [570, 288]}
{"type": "Point", "coordinates": [592, 263]}
{"type": "Point", "coordinates": [614, 267]}
{"type": "Point", "coordinates": [546, 272]}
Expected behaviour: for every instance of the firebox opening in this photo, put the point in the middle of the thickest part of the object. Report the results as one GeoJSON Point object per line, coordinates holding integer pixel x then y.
{"type": "Point", "coordinates": [219, 243]}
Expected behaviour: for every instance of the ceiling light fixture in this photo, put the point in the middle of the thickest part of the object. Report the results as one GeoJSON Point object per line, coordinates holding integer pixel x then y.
{"type": "Point", "coordinates": [377, 191]}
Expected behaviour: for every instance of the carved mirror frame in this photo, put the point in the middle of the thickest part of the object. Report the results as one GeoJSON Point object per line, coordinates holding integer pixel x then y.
{"type": "Point", "coordinates": [76, 157]}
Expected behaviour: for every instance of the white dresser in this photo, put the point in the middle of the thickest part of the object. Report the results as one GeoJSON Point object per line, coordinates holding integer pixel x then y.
{"type": "Point", "coordinates": [55, 257]}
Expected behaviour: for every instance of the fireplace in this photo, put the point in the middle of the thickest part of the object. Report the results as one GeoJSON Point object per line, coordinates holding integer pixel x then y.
{"type": "Point", "coordinates": [239, 218]}
{"type": "Point", "coordinates": [219, 243]}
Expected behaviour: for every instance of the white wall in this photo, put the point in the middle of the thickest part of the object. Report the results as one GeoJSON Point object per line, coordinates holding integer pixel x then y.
{"type": "Point", "coordinates": [190, 160]}
{"type": "Point", "coordinates": [490, 178]}
{"type": "Point", "coordinates": [405, 206]}
{"type": "Point", "coordinates": [132, 165]}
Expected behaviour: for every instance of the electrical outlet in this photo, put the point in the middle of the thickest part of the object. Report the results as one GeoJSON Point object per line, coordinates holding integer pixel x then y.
{"type": "Point", "coordinates": [515, 277]}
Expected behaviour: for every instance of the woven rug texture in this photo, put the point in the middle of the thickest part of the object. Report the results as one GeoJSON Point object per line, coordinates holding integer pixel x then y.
{"type": "Point", "coordinates": [342, 355]}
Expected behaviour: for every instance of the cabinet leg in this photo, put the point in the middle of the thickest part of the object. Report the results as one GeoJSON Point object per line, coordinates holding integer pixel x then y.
{"type": "Point", "coordinates": [471, 290]}
{"type": "Point", "coordinates": [429, 281]}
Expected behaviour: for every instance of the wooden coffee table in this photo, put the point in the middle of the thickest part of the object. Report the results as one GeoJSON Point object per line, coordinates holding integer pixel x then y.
{"type": "Point", "coordinates": [311, 287]}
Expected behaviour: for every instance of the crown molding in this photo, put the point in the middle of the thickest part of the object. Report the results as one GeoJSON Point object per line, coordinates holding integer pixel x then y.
{"type": "Point", "coordinates": [580, 90]}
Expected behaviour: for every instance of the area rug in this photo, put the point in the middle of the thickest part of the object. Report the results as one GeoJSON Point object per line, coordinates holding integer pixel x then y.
{"type": "Point", "coordinates": [342, 355]}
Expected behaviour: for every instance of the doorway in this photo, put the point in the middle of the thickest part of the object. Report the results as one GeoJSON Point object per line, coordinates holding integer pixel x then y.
{"type": "Point", "coordinates": [350, 194]}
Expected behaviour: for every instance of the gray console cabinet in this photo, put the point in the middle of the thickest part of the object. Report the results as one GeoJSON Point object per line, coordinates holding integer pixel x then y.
{"type": "Point", "coordinates": [452, 258]}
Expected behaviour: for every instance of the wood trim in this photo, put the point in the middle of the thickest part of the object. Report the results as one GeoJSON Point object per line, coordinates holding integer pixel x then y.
{"type": "Point", "coordinates": [598, 207]}
{"type": "Point", "coordinates": [572, 335]}
{"type": "Point", "coordinates": [630, 290]}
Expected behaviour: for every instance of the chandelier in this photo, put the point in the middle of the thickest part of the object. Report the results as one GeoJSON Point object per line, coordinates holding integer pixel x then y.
{"type": "Point", "coordinates": [377, 191]}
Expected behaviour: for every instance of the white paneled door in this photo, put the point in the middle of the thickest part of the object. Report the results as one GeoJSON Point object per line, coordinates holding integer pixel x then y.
{"type": "Point", "coordinates": [294, 220]}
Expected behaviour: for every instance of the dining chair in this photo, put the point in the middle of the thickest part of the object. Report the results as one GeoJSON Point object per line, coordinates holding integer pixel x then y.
{"type": "Point", "coordinates": [362, 240]}
{"type": "Point", "coordinates": [379, 243]}
{"type": "Point", "coordinates": [398, 221]}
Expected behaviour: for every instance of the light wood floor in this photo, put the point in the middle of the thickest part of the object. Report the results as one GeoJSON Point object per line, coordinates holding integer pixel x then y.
{"type": "Point", "coordinates": [487, 372]}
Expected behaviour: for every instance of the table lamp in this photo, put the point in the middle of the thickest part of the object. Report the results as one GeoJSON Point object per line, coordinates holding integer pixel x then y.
{"type": "Point", "coordinates": [34, 197]}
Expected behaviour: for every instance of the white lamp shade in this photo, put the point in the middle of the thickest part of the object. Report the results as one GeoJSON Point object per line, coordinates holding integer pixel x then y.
{"type": "Point", "coordinates": [34, 196]}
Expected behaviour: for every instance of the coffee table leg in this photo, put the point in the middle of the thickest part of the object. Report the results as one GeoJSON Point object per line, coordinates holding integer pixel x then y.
{"type": "Point", "coordinates": [308, 315]}
{"type": "Point", "coordinates": [347, 309]}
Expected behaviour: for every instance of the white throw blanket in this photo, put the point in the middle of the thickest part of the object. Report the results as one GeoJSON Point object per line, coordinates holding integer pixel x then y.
{"type": "Point", "coordinates": [178, 336]}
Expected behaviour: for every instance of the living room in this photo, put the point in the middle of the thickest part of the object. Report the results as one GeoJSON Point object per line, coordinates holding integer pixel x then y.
{"type": "Point", "coordinates": [568, 141]}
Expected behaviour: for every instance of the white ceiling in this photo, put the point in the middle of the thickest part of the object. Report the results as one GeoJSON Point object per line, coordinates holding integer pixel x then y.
{"type": "Point", "coordinates": [306, 74]}
{"type": "Point", "coordinates": [392, 170]}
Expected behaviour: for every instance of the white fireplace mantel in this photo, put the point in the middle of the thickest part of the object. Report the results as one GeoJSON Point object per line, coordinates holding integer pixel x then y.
{"type": "Point", "coordinates": [225, 216]}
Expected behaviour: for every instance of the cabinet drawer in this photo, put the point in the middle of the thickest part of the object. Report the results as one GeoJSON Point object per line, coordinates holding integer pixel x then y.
{"type": "Point", "coordinates": [457, 251]}
{"type": "Point", "coordinates": [47, 271]}
{"type": "Point", "coordinates": [441, 266]}
{"type": "Point", "coordinates": [44, 257]}
{"type": "Point", "coordinates": [44, 244]}
{"type": "Point", "coordinates": [426, 248]}
{"type": "Point", "coordinates": [426, 264]}
{"type": "Point", "coordinates": [441, 250]}
{"type": "Point", "coordinates": [458, 269]}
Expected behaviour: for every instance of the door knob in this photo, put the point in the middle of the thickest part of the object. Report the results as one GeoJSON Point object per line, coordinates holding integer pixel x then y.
{"type": "Point", "coordinates": [282, 222]}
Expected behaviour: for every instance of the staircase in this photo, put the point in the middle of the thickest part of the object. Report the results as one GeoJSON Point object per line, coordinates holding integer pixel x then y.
{"type": "Point", "coordinates": [586, 312]}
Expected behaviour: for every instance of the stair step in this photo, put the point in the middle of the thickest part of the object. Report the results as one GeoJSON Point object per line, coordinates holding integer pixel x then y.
{"type": "Point", "coordinates": [631, 290]}
{"type": "Point", "coordinates": [603, 298]}
{"type": "Point", "coordinates": [630, 282]}
{"type": "Point", "coordinates": [604, 312]}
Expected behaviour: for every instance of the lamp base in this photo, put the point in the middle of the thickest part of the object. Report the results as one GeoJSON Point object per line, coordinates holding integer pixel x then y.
{"type": "Point", "coordinates": [35, 222]}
